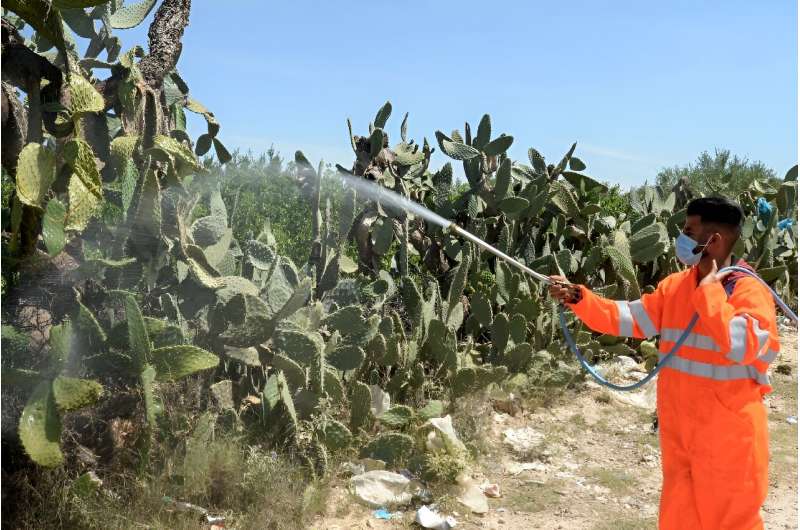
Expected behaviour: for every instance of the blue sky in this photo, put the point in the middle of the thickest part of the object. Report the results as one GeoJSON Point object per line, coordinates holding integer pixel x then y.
{"type": "Point", "coordinates": [639, 85]}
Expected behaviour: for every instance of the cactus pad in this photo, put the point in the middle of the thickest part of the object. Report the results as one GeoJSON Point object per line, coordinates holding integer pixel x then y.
{"type": "Point", "coordinates": [302, 347]}
{"type": "Point", "coordinates": [346, 357]}
{"type": "Point", "coordinates": [36, 171]}
{"type": "Point", "coordinates": [72, 394]}
{"type": "Point", "coordinates": [178, 361]}
{"type": "Point", "coordinates": [40, 427]}
{"type": "Point", "coordinates": [397, 417]}
{"type": "Point", "coordinates": [335, 436]}
{"type": "Point", "coordinates": [360, 402]}
{"type": "Point", "coordinates": [391, 447]}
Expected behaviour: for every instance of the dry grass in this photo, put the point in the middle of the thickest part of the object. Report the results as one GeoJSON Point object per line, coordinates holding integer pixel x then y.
{"type": "Point", "coordinates": [627, 523]}
{"type": "Point", "coordinates": [533, 497]}
{"type": "Point", "coordinates": [252, 488]}
{"type": "Point", "coordinates": [616, 480]}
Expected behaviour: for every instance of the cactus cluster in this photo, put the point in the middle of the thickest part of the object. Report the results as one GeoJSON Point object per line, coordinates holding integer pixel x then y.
{"type": "Point", "coordinates": [390, 318]}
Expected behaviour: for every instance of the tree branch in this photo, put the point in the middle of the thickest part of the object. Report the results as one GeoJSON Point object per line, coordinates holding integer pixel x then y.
{"type": "Point", "coordinates": [164, 37]}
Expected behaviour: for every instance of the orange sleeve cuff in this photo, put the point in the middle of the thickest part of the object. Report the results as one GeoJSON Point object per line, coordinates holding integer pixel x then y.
{"type": "Point", "coordinates": [583, 302]}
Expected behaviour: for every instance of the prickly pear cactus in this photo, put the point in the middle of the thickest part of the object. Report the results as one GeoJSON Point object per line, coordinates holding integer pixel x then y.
{"type": "Point", "coordinates": [392, 448]}
{"type": "Point", "coordinates": [360, 401]}
{"type": "Point", "coordinates": [397, 417]}
{"type": "Point", "coordinates": [335, 436]}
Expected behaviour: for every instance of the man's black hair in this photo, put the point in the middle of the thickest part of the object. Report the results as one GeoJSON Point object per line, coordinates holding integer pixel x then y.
{"type": "Point", "coordinates": [717, 210]}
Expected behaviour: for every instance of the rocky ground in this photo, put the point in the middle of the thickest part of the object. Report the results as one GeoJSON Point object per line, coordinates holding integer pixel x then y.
{"type": "Point", "coordinates": [585, 459]}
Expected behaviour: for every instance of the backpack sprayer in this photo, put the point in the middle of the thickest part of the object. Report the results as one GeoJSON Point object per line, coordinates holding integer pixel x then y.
{"type": "Point", "coordinates": [384, 195]}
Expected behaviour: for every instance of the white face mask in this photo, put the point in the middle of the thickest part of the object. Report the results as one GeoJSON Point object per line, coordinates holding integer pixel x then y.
{"type": "Point", "coordinates": [685, 250]}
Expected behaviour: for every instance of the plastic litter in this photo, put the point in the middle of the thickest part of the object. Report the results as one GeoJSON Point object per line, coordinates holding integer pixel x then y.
{"type": "Point", "coordinates": [628, 364]}
{"type": "Point", "coordinates": [429, 518]}
{"type": "Point", "coordinates": [363, 465]}
{"type": "Point", "coordinates": [471, 495]}
{"type": "Point", "coordinates": [523, 440]}
{"type": "Point", "coordinates": [381, 489]}
{"type": "Point", "coordinates": [443, 437]}
{"type": "Point", "coordinates": [491, 490]}
{"type": "Point", "coordinates": [792, 420]}
{"type": "Point", "coordinates": [423, 495]}
{"type": "Point", "coordinates": [764, 208]}
{"type": "Point", "coordinates": [515, 468]}
{"type": "Point", "coordinates": [215, 523]}
{"type": "Point", "coordinates": [385, 514]}
{"type": "Point", "coordinates": [380, 400]}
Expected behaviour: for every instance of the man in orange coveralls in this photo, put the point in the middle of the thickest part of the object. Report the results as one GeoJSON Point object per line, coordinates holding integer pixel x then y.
{"type": "Point", "coordinates": [712, 421]}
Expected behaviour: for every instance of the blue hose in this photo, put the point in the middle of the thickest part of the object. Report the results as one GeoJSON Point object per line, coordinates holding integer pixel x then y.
{"type": "Point", "coordinates": [589, 368]}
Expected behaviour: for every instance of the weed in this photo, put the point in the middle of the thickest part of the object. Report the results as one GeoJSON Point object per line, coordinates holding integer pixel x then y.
{"type": "Point", "coordinates": [616, 480]}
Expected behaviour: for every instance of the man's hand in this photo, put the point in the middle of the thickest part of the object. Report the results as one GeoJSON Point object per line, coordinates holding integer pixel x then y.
{"type": "Point", "coordinates": [713, 276]}
{"type": "Point", "coordinates": [563, 291]}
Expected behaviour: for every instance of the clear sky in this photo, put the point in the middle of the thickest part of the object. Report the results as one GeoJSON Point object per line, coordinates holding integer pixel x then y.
{"type": "Point", "coordinates": [639, 85]}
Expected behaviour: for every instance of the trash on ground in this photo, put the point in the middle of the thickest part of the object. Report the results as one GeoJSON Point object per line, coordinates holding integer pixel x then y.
{"type": "Point", "coordinates": [792, 420]}
{"type": "Point", "coordinates": [353, 468]}
{"type": "Point", "coordinates": [362, 465]}
{"type": "Point", "coordinates": [642, 399]}
{"type": "Point", "coordinates": [515, 468]}
{"type": "Point", "coordinates": [380, 400]}
{"type": "Point", "coordinates": [407, 473]}
{"type": "Point", "coordinates": [471, 495]}
{"type": "Point", "coordinates": [215, 523]}
{"type": "Point", "coordinates": [443, 437]}
{"type": "Point", "coordinates": [423, 495]}
{"type": "Point", "coordinates": [184, 506]}
{"type": "Point", "coordinates": [522, 440]}
{"type": "Point", "coordinates": [491, 490]}
{"type": "Point", "coordinates": [385, 514]}
{"type": "Point", "coordinates": [429, 518]}
{"type": "Point", "coordinates": [381, 489]}
{"type": "Point", "coordinates": [628, 364]}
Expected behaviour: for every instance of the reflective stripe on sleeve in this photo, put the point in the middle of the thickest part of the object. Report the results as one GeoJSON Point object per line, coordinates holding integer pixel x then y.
{"type": "Point", "coordinates": [714, 371]}
{"type": "Point", "coordinates": [738, 332]}
{"type": "Point", "coordinates": [769, 356]}
{"type": "Point", "coordinates": [639, 313]}
{"type": "Point", "coordinates": [625, 319]}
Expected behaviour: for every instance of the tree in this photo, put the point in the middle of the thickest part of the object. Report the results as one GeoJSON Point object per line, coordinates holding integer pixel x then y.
{"type": "Point", "coordinates": [720, 173]}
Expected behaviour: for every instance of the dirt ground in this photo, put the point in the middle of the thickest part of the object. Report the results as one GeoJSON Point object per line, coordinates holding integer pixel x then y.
{"type": "Point", "coordinates": [595, 464]}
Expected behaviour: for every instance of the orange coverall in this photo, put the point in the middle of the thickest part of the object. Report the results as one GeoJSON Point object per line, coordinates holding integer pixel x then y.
{"type": "Point", "coordinates": [712, 421]}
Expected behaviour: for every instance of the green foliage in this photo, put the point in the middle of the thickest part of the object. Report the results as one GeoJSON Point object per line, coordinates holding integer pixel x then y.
{"type": "Point", "coordinates": [720, 173]}
{"type": "Point", "coordinates": [392, 448]}
{"type": "Point", "coordinates": [40, 427]}
{"type": "Point", "coordinates": [335, 435]}
{"type": "Point", "coordinates": [178, 361]}
{"type": "Point", "coordinates": [360, 405]}
{"type": "Point", "coordinates": [397, 417]}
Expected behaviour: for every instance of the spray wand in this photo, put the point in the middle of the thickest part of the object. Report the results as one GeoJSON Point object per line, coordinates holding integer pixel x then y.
{"type": "Point", "coordinates": [458, 231]}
